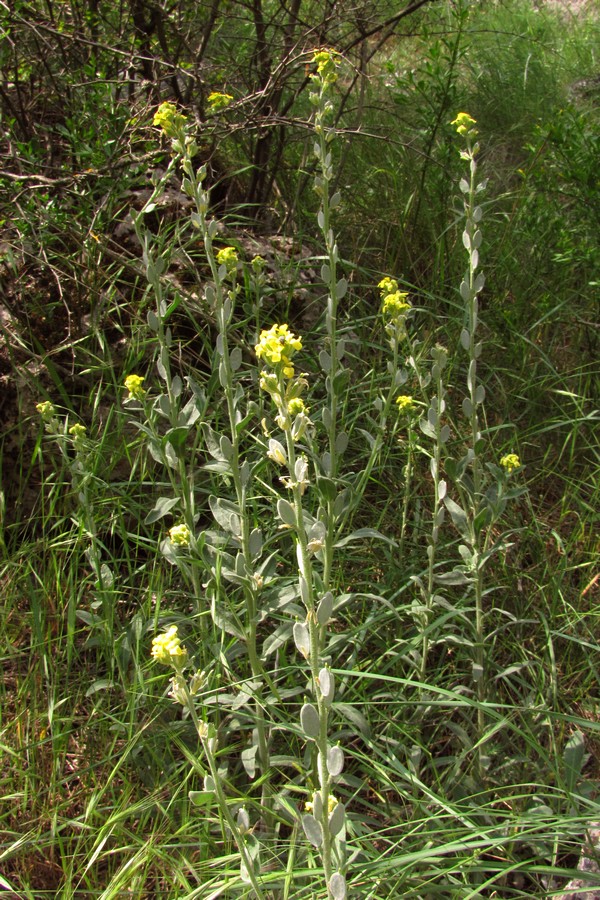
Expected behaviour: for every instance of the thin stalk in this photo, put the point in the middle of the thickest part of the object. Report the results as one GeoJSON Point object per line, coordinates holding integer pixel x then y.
{"type": "Point", "coordinates": [316, 637]}
{"type": "Point", "coordinates": [208, 745]}
{"type": "Point", "coordinates": [439, 489]}
{"type": "Point", "coordinates": [239, 472]}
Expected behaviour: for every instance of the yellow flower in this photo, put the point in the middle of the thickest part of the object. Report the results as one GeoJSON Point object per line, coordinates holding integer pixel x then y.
{"type": "Point", "coordinates": [405, 403]}
{"type": "Point", "coordinates": [180, 535]}
{"type": "Point", "coordinates": [297, 406]}
{"type": "Point", "coordinates": [258, 264]}
{"type": "Point", "coordinates": [218, 101]}
{"type": "Point", "coordinates": [387, 286]}
{"type": "Point", "coordinates": [133, 383]}
{"type": "Point", "coordinates": [510, 462]}
{"type": "Point", "coordinates": [332, 802]}
{"type": "Point", "coordinates": [276, 452]}
{"type": "Point", "coordinates": [327, 62]}
{"type": "Point", "coordinates": [464, 125]}
{"type": "Point", "coordinates": [46, 410]}
{"type": "Point", "coordinates": [167, 649]}
{"type": "Point", "coordinates": [169, 120]}
{"type": "Point", "coordinates": [395, 305]}
{"type": "Point", "coordinates": [78, 432]}
{"type": "Point", "coordinates": [228, 257]}
{"type": "Point", "coordinates": [277, 346]}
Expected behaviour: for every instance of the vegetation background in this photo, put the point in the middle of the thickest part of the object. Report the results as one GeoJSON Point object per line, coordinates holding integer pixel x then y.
{"type": "Point", "coordinates": [96, 766]}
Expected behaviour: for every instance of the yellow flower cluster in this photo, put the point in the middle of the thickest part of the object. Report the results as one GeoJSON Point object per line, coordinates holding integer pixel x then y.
{"type": "Point", "coordinates": [167, 649]}
{"type": "Point", "coordinates": [405, 403]}
{"type": "Point", "coordinates": [218, 101]}
{"type": "Point", "coordinates": [326, 61]}
{"type": "Point", "coordinates": [180, 535]}
{"type": "Point", "coordinates": [46, 410]}
{"type": "Point", "coordinates": [464, 125]}
{"type": "Point", "coordinates": [387, 286]}
{"type": "Point", "coordinates": [169, 120]}
{"type": "Point", "coordinates": [396, 305]}
{"type": "Point", "coordinates": [395, 302]}
{"type": "Point", "coordinates": [133, 383]}
{"type": "Point", "coordinates": [228, 257]}
{"type": "Point", "coordinates": [296, 406]}
{"type": "Point", "coordinates": [332, 802]}
{"type": "Point", "coordinates": [277, 347]}
{"type": "Point", "coordinates": [78, 432]}
{"type": "Point", "coordinates": [510, 462]}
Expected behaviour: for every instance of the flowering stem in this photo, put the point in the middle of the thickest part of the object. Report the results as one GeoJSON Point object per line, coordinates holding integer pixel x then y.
{"type": "Point", "coordinates": [330, 360]}
{"type": "Point", "coordinates": [316, 639]}
{"type": "Point", "coordinates": [239, 471]}
{"type": "Point", "coordinates": [208, 745]}
{"type": "Point", "coordinates": [471, 286]}
{"type": "Point", "coordinates": [436, 411]}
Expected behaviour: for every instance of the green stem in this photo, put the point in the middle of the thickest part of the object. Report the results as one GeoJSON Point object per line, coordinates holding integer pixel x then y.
{"type": "Point", "coordinates": [316, 635]}
{"type": "Point", "coordinates": [479, 650]}
{"type": "Point", "coordinates": [207, 745]}
{"type": "Point", "coordinates": [437, 500]}
{"type": "Point", "coordinates": [223, 316]}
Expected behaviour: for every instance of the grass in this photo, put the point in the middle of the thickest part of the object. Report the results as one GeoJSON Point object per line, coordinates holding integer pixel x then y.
{"type": "Point", "coordinates": [103, 789]}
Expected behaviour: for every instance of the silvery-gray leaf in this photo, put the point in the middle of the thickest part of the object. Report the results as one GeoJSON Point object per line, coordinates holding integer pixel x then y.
{"type": "Point", "coordinates": [286, 513]}
{"type": "Point", "coordinates": [302, 638]}
{"type": "Point", "coordinates": [341, 288]}
{"type": "Point", "coordinates": [304, 591]}
{"type": "Point", "coordinates": [477, 672]}
{"type": "Point", "coordinates": [325, 361]}
{"type": "Point", "coordinates": [325, 608]}
{"type": "Point", "coordinates": [327, 685]}
{"type": "Point", "coordinates": [309, 720]}
{"type": "Point", "coordinates": [336, 819]}
{"type": "Point", "coordinates": [209, 783]}
{"type": "Point", "coordinates": [317, 806]}
{"type": "Point", "coordinates": [255, 542]}
{"type": "Point", "coordinates": [341, 442]}
{"type": "Point", "coordinates": [337, 886]}
{"type": "Point", "coordinates": [312, 830]}
{"type": "Point", "coordinates": [243, 820]}
{"type": "Point", "coordinates": [335, 761]}
{"type": "Point", "coordinates": [176, 386]}
{"type": "Point", "coordinates": [249, 760]}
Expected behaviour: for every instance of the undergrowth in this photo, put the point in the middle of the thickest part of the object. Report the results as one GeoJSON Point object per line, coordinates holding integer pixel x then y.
{"type": "Point", "coordinates": [299, 548]}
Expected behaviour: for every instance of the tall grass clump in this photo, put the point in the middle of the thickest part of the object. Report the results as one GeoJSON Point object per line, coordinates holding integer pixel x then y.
{"type": "Point", "coordinates": [294, 646]}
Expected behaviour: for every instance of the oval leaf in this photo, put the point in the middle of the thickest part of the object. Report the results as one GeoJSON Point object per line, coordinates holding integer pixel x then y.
{"type": "Point", "coordinates": [325, 608]}
{"type": "Point", "coordinates": [335, 761]}
{"type": "Point", "coordinates": [327, 685]}
{"type": "Point", "coordinates": [309, 721]}
{"type": "Point", "coordinates": [337, 886]}
{"type": "Point", "coordinates": [312, 830]}
{"type": "Point", "coordinates": [302, 638]}
{"type": "Point", "coordinates": [286, 513]}
{"type": "Point", "coordinates": [337, 819]}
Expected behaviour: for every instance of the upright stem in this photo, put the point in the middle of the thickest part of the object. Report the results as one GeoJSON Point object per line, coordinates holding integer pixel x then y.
{"type": "Point", "coordinates": [238, 470]}
{"type": "Point", "coordinates": [208, 745]}
{"type": "Point", "coordinates": [330, 360]}
{"type": "Point", "coordinates": [472, 285]}
{"type": "Point", "coordinates": [316, 636]}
